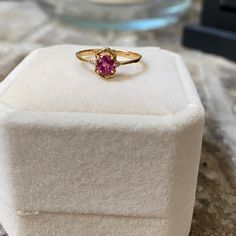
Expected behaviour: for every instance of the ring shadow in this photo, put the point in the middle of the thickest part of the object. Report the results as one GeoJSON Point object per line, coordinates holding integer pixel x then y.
{"type": "Point", "coordinates": [141, 67]}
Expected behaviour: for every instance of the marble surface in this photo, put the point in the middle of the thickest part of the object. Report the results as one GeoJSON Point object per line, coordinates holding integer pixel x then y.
{"type": "Point", "coordinates": [24, 27]}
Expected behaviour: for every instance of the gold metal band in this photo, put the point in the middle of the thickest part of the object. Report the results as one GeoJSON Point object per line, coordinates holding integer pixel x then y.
{"type": "Point", "coordinates": [89, 54]}
{"type": "Point", "coordinates": [105, 60]}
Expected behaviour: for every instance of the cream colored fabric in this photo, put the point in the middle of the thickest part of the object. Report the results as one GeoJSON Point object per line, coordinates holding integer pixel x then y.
{"type": "Point", "coordinates": [50, 224]}
{"type": "Point", "coordinates": [66, 157]}
{"type": "Point", "coordinates": [57, 81]}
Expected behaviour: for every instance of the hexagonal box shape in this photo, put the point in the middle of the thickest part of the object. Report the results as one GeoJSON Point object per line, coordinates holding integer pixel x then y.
{"type": "Point", "coordinates": [81, 155]}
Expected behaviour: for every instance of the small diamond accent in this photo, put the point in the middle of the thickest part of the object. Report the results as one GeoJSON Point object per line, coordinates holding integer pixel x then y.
{"type": "Point", "coordinates": [92, 62]}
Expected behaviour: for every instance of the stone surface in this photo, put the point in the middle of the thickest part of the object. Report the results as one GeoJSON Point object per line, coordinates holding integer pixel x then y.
{"type": "Point", "coordinates": [27, 28]}
{"type": "Point", "coordinates": [105, 66]}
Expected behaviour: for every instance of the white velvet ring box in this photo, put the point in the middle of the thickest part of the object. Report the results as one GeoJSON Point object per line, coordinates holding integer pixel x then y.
{"type": "Point", "coordinates": [85, 156]}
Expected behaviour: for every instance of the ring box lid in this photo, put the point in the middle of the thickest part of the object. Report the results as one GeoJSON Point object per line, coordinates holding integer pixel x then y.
{"type": "Point", "coordinates": [54, 80]}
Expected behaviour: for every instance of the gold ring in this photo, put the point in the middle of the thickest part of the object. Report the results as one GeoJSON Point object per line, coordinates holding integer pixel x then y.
{"type": "Point", "coordinates": [105, 60]}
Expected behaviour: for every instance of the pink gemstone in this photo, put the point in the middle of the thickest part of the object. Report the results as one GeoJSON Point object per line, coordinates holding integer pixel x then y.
{"type": "Point", "coordinates": [105, 66]}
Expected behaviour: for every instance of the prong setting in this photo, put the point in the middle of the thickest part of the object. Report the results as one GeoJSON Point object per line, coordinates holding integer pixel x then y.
{"type": "Point", "coordinates": [106, 63]}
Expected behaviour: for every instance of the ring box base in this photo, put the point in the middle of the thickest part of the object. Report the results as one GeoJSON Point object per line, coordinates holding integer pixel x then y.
{"type": "Point", "coordinates": [85, 156]}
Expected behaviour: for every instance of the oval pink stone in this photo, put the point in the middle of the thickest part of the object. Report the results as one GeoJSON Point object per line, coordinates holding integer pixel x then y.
{"type": "Point", "coordinates": [105, 66]}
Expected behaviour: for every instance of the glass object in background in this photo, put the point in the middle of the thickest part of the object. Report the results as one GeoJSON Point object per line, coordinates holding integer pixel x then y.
{"type": "Point", "coordinates": [116, 14]}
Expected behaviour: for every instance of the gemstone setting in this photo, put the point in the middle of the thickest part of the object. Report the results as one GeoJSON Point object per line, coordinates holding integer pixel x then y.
{"type": "Point", "coordinates": [106, 63]}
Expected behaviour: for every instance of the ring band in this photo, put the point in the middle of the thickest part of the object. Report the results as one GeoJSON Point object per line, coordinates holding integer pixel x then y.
{"type": "Point", "coordinates": [105, 60]}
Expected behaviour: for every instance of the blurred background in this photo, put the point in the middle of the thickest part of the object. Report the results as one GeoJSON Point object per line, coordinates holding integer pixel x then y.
{"type": "Point", "coordinates": [28, 25]}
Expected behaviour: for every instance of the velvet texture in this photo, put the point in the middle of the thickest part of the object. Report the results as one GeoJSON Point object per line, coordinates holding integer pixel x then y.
{"type": "Point", "coordinates": [97, 157]}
